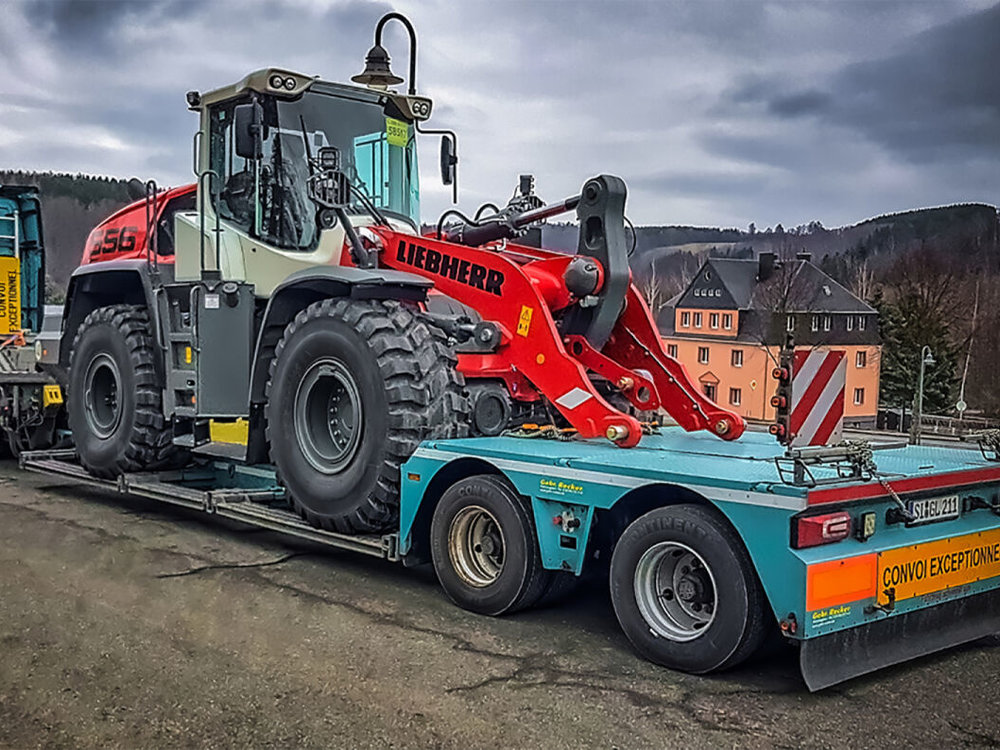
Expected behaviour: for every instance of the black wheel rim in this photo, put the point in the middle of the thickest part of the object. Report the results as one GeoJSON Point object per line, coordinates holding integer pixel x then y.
{"type": "Point", "coordinates": [328, 416]}
{"type": "Point", "coordinates": [102, 398]}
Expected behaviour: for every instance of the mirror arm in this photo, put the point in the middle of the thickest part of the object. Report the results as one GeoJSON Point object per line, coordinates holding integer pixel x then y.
{"type": "Point", "coordinates": [454, 139]}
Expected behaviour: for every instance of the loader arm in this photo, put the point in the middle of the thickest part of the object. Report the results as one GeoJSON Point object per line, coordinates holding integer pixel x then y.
{"type": "Point", "coordinates": [558, 317]}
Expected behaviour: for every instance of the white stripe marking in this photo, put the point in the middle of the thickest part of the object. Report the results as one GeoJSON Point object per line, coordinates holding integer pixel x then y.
{"type": "Point", "coordinates": [618, 480]}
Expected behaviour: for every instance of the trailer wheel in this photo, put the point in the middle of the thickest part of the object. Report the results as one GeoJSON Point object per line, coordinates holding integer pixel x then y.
{"type": "Point", "coordinates": [484, 548]}
{"type": "Point", "coordinates": [685, 591]}
{"type": "Point", "coordinates": [355, 386]}
{"type": "Point", "coordinates": [115, 395]}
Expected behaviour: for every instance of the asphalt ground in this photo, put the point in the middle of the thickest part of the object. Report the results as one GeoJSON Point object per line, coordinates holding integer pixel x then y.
{"type": "Point", "coordinates": [127, 624]}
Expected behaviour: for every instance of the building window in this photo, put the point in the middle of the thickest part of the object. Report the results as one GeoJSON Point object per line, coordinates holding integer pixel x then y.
{"type": "Point", "coordinates": [735, 396]}
{"type": "Point", "coordinates": [685, 319]}
{"type": "Point", "coordinates": [861, 359]}
{"type": "Point", "coordinates": [859, 396]}
{"type": "Point", "coordinates": [709, 390]}
{"type": "Point", "coordinates": [736, 359]}
{"type": "Point", "coordinates": [727, 321]}
{"type": "Point", "coordinates": [697, 320]}
{"type": "Point", "coordinates": [850, 322]}
{"type": "Point", "coordinates": [862, 320]}
{"type": "Point", "coordinates": [702, 355]}
{"type": "Point", "coordinates": [713, 320]}
{"type": "Point", "coordinates": [789, 322]}
{"type": "Point", "coordinates": [826, 322]}
{"type": "Point", "coordinates": [672, 350]}
{"type": "Point", "coordinates": [815, 323]}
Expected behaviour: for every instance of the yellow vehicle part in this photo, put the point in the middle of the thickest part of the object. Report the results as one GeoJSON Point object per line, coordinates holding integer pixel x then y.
{"type": "Point", "coordinates": [51, 396]}
{"type": "Point", "coordinates": [229, 432]}
{"type": "Point", "coordinates": [10, 296]}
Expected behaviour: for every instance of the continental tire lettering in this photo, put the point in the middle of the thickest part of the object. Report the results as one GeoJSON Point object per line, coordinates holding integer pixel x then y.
{"type": "Point", "coordinates": [447, 266]}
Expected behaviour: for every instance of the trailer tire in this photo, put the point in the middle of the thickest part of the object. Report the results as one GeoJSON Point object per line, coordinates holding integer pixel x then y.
{"type": "Point", "coordinates": [685, 591]}
{"type": "Point", "coordinates": [114, 404]}
{"type": "Point", "coordinates": [484, 547]}
{"type": "Point", "coordinates": [355, 386]}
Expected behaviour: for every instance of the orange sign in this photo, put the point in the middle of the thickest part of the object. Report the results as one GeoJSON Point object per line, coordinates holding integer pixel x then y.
{"type": "Point", "coordinates": [934, 566]}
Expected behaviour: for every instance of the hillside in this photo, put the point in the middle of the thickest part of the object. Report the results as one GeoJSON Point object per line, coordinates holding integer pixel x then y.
{"type": "Point", "coordinates": [72, 204]}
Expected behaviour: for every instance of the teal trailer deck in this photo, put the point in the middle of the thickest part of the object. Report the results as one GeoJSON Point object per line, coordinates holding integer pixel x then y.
{"type": "Point", "coordinates": [881, 574]}
{"type": "Point", "coordinates": [708, 546]}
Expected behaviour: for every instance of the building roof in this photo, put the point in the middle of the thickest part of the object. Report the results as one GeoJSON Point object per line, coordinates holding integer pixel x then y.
{"type": "Point", "coordinates": [792, 285]}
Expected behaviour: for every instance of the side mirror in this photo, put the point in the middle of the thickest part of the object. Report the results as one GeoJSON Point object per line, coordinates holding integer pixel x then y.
{"type": "Point", "coordinates": [449, 161]}
{"type": "Point", "coordinates": [248, 123]}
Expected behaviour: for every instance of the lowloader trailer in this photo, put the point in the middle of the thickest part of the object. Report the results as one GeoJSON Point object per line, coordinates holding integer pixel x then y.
{"type": "Point", "coordinates": [712, 545]}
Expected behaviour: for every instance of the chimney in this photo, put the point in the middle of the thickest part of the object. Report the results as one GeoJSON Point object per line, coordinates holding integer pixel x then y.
{"type": "Point", "coordinates": [765, 266]}
{"type": "Point", "coordinates": [807, 257]}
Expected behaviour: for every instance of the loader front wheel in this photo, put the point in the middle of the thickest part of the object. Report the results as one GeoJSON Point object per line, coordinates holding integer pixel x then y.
{"type": "Point", "coordinates": [355, 386]}
{"type": "Point", "coordinates": [115, 395]}
{"type": "Point", "coordinates": [685, 591]}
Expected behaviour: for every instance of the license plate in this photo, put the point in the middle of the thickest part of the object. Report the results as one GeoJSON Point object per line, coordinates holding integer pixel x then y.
{"type": "Point", "coordinates": [935, 509]}
{"type": "Point", "coordinates": [921, 569]}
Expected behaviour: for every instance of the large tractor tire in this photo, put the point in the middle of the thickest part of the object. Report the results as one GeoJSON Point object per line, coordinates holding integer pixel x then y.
{"type": "Point", "coordinates": [115, 405]}
{"type": "Point", "coordinates": [355, 386]}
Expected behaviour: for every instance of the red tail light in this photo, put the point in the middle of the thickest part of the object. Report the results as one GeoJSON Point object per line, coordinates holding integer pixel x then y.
{"type": "Point", "coordinates": [811, 531]}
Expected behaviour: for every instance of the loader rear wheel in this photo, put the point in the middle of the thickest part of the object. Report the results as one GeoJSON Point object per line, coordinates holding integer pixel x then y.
{"type": "Point", "coordinates": [685, 591]}
{"type": "Point", "coordinates": [355, 386]}
{"type": "Point", "coordinates": [484, 547]}
{"type": "Point", "coordinates": [115, 395]}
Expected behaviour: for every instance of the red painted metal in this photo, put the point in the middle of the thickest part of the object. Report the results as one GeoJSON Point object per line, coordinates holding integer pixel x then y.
{"type": "Point", "coordinates": [876, 490]}
{"type": "Point", "coordinates": [123, 234]}
{"type": "Point", "coordinates": [522, 289]}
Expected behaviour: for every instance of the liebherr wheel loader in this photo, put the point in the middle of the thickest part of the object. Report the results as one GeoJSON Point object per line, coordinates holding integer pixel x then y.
{"type": "Point", "coordinates": [298, 296]}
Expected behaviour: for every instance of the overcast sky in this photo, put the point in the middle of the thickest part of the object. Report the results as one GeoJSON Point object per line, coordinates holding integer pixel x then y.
{"type": "Point", "coordinates": [715, 113]}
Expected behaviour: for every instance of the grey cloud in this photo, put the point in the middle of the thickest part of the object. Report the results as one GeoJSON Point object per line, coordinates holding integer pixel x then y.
{"type": "Point", "coordinates": [801, 103]}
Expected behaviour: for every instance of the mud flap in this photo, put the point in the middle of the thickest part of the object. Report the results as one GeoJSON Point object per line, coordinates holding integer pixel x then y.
{"type": "Point", "coordinates": [830, 659]}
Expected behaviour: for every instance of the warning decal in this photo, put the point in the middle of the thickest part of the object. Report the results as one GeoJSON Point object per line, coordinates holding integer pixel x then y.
{"type": "Point", "coordinates": [924, 568]}
{"type": "Point", "coordinates": [524, 322]}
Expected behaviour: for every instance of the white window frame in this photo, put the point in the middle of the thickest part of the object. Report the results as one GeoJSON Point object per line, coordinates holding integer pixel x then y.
{"type": "Point", "coordinates": [789, 322]}
{"type": "Point", "coordinates": [850, 322]}
{"type": "Point", "coordinates": [814, 323]}
{"type": "Point", "coordinates": [713, 320]}
{"type": "Point", "coordinates": [862, 322]}
{"type": "Point", "coordinates": [707, 355]}
{"type": "Point", "coordinates": [697, 320]}
{"type": "Point", "coordinates": [672, 350]}
{"type": "Point", "coordinates": [685, 319]}
{"type": "Point", "coordinates": [735, 396]}
{"type": "Point", "coordinates": [861, 359]}
{"type": "Point", "coordinates": [859, 396]}
{"type": "Point", "coordinates": [727, 321]}
{"type": "Point", "coordinates": [827, 321]}
{"type": "Point", "coordinates": [736, 358]}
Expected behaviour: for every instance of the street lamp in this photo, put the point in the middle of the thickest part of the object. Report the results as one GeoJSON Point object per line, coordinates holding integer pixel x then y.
{"type": "Point", "coordinates": [926, 358]}
{"type": "Point", "coordinates": [377, 72]}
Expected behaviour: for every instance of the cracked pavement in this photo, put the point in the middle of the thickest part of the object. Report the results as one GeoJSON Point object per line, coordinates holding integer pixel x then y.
{"type": "Point", "coordinates": [124, 623]}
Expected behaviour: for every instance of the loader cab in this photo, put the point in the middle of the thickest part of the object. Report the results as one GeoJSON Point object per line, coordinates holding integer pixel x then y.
{"type": "Point", "coordinates": [269, 226]}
